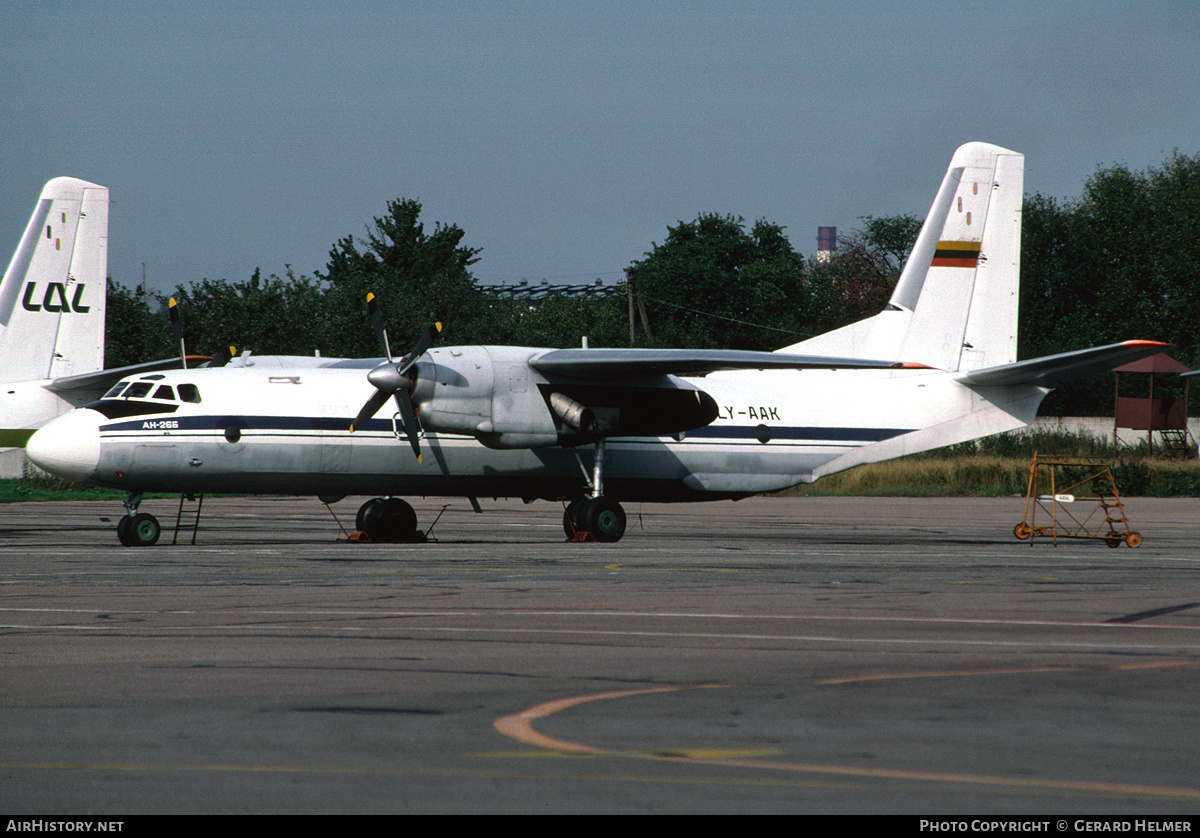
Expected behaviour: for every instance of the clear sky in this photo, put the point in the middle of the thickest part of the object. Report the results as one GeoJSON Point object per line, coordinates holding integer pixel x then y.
{"type": "Point", "coordinates": [563, 137]}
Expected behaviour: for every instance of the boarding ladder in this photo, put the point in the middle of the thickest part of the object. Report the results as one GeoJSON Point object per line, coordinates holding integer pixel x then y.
{"type": "Point", "coordinates": [194, 526]}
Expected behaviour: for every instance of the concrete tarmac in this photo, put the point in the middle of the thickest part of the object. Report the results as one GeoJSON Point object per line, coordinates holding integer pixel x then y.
{"type": "Point", "coordinates": [814, 655]}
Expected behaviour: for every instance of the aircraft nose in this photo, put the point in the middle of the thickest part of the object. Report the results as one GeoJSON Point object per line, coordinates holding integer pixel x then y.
{"type": "Point", "coordinates": [68, 446]}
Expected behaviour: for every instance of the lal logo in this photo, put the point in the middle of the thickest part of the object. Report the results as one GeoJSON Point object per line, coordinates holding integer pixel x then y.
{"type": "Point", "coordinates": [55, 298]}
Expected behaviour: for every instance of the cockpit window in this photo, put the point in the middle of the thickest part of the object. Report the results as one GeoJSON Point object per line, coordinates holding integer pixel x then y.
{"type": "Point", "coordinates": [189, 393]}
{"type": "Point", "coordinates": [138, 390]}
{"type": "Point", "coordinates": [165, 392]}
{"type": "Point", "coordinates": [115, 391]}
{"type": "Point", "coordinates": [122, 408]}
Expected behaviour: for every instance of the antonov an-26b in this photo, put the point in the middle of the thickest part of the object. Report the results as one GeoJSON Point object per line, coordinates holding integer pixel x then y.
{"type": "Point", "coordinates": [596, 426]}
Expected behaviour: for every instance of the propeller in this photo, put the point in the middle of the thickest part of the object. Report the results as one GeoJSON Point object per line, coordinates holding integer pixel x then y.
{"type": "Point", "coordinates": [392, 379]}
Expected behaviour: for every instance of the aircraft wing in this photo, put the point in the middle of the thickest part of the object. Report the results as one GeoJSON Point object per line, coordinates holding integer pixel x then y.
{"type": "Point", "coordinates": [1057, 370]}
{"type": "Point", "coordinates": [103, 379]}
{"type": "Point", "coordinates": [617, 363]}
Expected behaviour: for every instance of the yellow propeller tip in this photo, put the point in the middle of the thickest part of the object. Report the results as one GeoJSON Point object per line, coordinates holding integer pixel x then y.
{"type": "Point", "coordinates": [370, 296]}
{"type": "Point", "coordinates": [438, 325]}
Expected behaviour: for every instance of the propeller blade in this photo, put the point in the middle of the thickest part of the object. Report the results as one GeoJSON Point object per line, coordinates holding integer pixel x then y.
{"type": "Point", "coordinates": [177, 330]}
{"type": "Point", "coordinates": [377, 322]}
{"type": "Point", "coordinates": [423, 343]}
{"type": "Point", "coordinates": [371, 408]}
{"type": "Point", "coordinates": [404, 402]}
{"type": "Point", "coordinates": [227, 354]}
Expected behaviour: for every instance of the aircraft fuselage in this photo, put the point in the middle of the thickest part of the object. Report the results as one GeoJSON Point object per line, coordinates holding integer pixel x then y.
{"type": "Point", "coordinates": [773, 429]}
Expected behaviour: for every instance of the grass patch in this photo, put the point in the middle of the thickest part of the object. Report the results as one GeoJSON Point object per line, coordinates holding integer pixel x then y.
{"type": "Point", "coordinates": [979, 476]}
{"type": "Point", "coordinates": [38, 487]}
{"type": "Point", "coordinates": [998, 466]}
{"type": "Point", "coordinates": [1024, 444]}
{"type": "Point", "coordinates": [923, 477]}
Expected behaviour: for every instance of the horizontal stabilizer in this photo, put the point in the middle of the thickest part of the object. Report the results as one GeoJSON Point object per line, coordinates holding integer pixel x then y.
{"type": "Point", "coordinates": [1057, 370]}
{"type": "Point", "coordinates": [611, 363]}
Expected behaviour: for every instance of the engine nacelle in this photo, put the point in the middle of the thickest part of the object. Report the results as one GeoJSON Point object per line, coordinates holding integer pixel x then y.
{"type": "Point", "coordinates": [491, 393]}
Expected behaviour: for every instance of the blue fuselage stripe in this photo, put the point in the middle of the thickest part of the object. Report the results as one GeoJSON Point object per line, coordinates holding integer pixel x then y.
{"type": "Point", "coordinates": [336, 424]}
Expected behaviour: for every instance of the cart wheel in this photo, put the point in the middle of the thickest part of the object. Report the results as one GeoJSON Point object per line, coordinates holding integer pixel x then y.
{"type": "Point", "coordinates": [1133, 539]}
{"type": "Point", "coordinates": [1113, 540]}
{"type": "Point", "coordinates": [1022, 531]}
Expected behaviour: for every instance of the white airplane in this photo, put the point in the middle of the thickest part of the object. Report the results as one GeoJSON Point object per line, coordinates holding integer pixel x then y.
{"type": "Point", "coordinates": [52, 309]}
{"type": "Point", "coordinates": [590, 426]}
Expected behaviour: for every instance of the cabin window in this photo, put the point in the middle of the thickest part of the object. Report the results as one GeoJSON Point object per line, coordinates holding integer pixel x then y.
{"type": "Point", "coordinates": [189, 393]}
{"type": "Point", "coordinates": [165, 391]}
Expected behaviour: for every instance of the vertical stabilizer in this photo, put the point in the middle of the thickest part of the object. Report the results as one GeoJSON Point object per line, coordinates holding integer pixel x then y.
{"type": "Point", "coordinates": [53, 295]}
{"type": "Point", "coordinates": [962, 283]}
{"type": "Point", "coordinates": [955, 304]}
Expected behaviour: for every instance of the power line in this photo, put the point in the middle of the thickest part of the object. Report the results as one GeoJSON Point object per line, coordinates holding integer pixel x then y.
{"type": "Point", "coordinates": [723, 317]}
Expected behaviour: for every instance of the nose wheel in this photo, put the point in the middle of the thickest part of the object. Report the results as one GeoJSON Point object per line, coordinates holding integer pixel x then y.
{"type": "Point", "coordinates": [138, 530]}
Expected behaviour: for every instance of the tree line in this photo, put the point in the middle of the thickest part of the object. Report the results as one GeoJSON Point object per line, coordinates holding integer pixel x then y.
{"type": "Point", "coordinates": [1121, 261]}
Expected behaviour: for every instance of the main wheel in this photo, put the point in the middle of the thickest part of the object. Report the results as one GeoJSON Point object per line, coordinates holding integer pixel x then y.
{"type": "Point", "coordinates": [603, 518]}
{"type": "Point", "coordinates": [387, 520]}
{"type": "Point", "coordinates": [141, 530]}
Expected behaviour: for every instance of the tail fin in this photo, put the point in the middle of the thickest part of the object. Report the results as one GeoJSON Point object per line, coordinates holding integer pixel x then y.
{"type": "Point", "coordinates": [52, 298]}
{"type": "Point", "coordinates": [955, 304]}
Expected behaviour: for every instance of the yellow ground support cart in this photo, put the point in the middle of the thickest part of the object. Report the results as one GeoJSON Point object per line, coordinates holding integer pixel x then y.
{"type": "Point", "coordinates": [1075, 497]}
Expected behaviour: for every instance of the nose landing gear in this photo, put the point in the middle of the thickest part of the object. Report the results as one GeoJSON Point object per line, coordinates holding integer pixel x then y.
{"type": "Point", "coordinates": [137, 529]}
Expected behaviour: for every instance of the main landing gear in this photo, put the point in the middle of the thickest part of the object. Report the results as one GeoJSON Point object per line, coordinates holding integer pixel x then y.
{"type": "Point", "coordinates": [137, 529]}
{"type": "Point", "coordinates": [596, 515]}
{"type": "Point", "coordinates": [388, 521]}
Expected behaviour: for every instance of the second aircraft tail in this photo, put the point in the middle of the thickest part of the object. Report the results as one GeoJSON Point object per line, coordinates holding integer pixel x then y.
{"type": "Point", "coordinates": [52, 298]}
